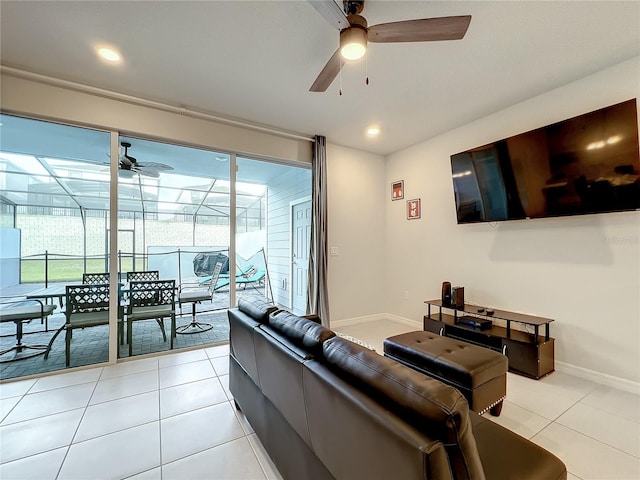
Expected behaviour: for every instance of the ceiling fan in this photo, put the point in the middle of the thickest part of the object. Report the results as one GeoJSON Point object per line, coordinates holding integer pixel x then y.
{"type": "Point", "coordinates": [355, 34]}
{"type": "Point", "coordinates": [129, 166]}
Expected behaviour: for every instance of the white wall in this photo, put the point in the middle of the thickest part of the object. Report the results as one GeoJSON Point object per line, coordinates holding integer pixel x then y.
{"type": "Point", "coordinates": [582, 271]}
{"type": "Point", "coordinates": [356, 226]}
{"type": "Point", "coordinates": [27, 97]}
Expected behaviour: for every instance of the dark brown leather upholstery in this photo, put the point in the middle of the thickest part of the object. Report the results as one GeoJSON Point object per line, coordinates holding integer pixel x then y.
{"type": "Point", "coordinates": [356, 437]}
{"type": "Point", "coordinates": [326, 408]}
{"type": "Point", "coordinates": [302, 331]}
{"type": "Point", "coordinates": [429, 404]}
{"type": "Point", "coordinates": [280, 374]}
{"type": "Point", "coordinates": [241, 347]}
{"type": "Point", "coordinates": [256, 308]}
{"type": "Point", "coordinates": [241, 339]}
{"type": "Point", "coordinates": [458, 361]}
{"type": "Point", "coordinates": [479, 373]}
{"type": "Point", "coordinates": [507, 456]}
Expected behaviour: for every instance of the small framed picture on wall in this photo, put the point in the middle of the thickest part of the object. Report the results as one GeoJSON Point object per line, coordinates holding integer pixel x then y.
{"type": "Point", "coordinates": [397, 190]}
{"type": "Point", "coordinates": [413, 209]}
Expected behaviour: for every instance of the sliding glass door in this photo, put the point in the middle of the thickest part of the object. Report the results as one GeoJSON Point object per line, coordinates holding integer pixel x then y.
{"type": "Point", "coordinates": [176, 202]}
{"type": "Point", "coordinates": [54, 195]}
{"type": "Point", "coordinates": [273, 232]}
{"type": "Point", "coordinates": [183, 225]}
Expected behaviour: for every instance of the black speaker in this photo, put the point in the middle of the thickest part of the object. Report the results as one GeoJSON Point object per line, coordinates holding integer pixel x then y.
{"type": "Point", "coordinates": [457, 297]}
{"type": "Point", "coordinates": [446, 293]}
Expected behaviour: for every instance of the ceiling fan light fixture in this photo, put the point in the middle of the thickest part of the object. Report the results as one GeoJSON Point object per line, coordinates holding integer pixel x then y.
{"type": "Point", "coordinates": [353, 42]}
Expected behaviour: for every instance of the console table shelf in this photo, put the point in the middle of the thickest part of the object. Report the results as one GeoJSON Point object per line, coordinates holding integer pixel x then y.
{"type": "Point", "coordinates": [530, 353]}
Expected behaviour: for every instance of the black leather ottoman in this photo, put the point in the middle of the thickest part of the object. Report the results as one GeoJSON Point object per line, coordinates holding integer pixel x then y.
{"type": "Point", "coordinates": [479, 373]}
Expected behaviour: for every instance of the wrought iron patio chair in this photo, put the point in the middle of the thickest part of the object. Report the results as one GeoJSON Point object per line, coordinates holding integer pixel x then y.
{"type": "Point", "coordinates": [143, 276]}
{"type": "Point", "coordinates": [93, 278]}
{"type": "Point", "coordinates": [86, 306]}
{"type": "Point", "coordinates": [151, 300]}
{"type": "Point", "coordinates": [194, 293]}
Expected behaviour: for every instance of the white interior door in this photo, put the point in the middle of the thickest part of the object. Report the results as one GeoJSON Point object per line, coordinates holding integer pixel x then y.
{"type": "Point", "coordinates": [300, 239]}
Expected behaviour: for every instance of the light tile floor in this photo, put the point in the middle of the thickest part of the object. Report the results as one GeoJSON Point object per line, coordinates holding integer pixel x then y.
{"type": "Point", "coordinates": [172, 417]}
{"type": "Point", "coordinates": [168, 417]}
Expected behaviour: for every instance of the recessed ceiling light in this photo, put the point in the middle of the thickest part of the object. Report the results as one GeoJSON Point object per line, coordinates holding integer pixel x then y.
{"type": "Point", "coordinates": [373, 131]}
{"type": "Point", "coordinates": [109, 54]}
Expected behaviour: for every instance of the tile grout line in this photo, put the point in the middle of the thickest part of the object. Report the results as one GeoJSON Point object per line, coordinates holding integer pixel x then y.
{"type": "Point", "coordinates": [543, 429]}
{"type": "Point", "coordinates": [22, 397]}
{"type": "Point", "coordinates": [64, 459]}
{"type": "Point", "coordinates": [207, 449]}
{"type": "Point", "coordinates": [599, 441]}
{"type": "Point", "coordinates": [160, 423]}
{"type": "Point", "coordinates": [603, 411]}
{"type": "Point", "coordinates": [584, 434]}
{"type": "Point", "coordinates": [255, 453]}
{"type": "Point", "coordinates": [573, 405]}
{"type": "Point", "coordinates": [608, 412]}
{"type": "Point", "coordinates": [10, 410]}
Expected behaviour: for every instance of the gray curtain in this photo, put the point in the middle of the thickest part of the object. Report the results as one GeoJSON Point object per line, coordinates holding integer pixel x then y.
{"type": "Point", "coordinates": [318, 294]}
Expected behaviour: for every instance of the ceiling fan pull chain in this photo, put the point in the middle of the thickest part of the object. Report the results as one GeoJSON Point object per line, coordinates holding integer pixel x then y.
{"type": "Point", "coordinates": [366, 67]}
{"type": "Point", "coordinates": [341, 82]}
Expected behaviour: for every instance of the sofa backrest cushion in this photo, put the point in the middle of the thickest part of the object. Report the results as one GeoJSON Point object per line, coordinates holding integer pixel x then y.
{"type": "Point", "coordinates": [256, 308]}
{"type": "Point", "coordinates": [424, 402]}
{"type": "Point", "coordinates": [301, 331]}
{"type": "Point", "coordinates": [279, 364]}
{"type": "Point", "coordinates": [357, 437]}
{"type": "Point", "coordinates": [241, 327]}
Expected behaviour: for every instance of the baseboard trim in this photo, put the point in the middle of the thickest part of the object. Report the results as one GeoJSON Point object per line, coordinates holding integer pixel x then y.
{"type": "Point", "coordinates": [598, 377]}
{"type": "Point", "coordinates": [568, 368]}
{"type": "Point", "coordinates": [377, 316]}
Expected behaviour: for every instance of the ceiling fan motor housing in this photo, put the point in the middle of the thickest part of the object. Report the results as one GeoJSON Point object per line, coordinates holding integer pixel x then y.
{"type": "Point", "coordinates": [357, 21]}
{"type": "Point", "coordinates": [356, 33]}
{"type": "Point", "coordinates": [353, 7]}
{"type": "Point", "coordinates": [125, 165]}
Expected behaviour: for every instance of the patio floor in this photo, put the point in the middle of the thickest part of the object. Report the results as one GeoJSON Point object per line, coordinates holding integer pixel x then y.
{"type": "Point", "coordinates": [90, 345]}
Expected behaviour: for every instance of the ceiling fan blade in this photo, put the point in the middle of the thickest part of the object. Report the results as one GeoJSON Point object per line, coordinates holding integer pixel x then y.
{"type": "Point", "coordinates": [331, 12]}
{"type": "Point", "coordinates": [148, 172]}
{"type": "Point", "coordinates": [155, 166]}
{"type": "Point", "coordinates": [328, 73]}
{"type": "Point", "coordinates": [422, 30]}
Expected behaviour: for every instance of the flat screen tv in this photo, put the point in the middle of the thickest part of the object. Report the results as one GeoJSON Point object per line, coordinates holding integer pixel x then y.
{"type": "Point", "coordinates": [583, 165]}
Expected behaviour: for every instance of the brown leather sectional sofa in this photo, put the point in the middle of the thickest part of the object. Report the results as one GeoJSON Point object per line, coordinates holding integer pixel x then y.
{"type": "Point", "coordinates": [327, 408]}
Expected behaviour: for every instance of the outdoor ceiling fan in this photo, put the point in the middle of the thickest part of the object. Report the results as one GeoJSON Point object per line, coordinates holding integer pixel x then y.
{"type": "Point", "coordinates": [355, 34]}
{"type": "Point", "coordinates": [129, 166]}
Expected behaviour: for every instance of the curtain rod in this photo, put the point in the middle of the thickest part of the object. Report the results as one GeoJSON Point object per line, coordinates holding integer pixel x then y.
{"type": "Point", "coordinates": [147, 103]}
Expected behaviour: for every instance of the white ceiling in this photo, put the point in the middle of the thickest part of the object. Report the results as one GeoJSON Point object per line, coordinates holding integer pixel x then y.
{"type": "Point", "coordinates": [256, 60]}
